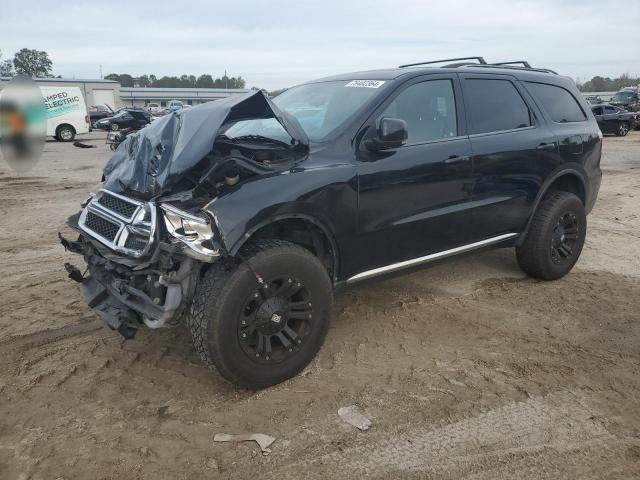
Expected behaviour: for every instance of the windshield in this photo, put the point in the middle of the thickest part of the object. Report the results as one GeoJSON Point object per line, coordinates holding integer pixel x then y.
{"type": "Point", "coordinates": [322, 107]}
{"type": "Point", "coordinates": [622, 96]}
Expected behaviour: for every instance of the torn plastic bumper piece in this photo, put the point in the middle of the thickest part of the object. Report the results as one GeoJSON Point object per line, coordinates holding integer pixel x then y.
{"type": "Point", "coordinates": [114, 313]}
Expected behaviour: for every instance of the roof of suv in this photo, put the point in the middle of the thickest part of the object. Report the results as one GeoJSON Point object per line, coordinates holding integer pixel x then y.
{"type": "Point", "coordinates": [527, 73]}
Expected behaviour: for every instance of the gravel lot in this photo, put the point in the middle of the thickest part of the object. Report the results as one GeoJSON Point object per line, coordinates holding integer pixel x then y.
{"type": "Point", "coordinates": [467, 370]}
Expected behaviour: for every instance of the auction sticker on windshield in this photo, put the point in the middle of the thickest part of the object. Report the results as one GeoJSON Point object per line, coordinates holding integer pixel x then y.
{"type": "Point", "coordinates": [365, 83]}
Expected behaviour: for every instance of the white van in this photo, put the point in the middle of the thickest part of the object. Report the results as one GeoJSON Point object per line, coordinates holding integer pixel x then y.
{"type": "Point", "coordinates": [66, 112]}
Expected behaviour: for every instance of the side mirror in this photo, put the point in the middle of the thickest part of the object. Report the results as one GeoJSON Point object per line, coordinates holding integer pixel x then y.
{"type": "Point", "coordinates": [392, 133]}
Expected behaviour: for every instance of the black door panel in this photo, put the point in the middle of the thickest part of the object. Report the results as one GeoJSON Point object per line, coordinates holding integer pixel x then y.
{"type": "Point", "coordinates": [509, 166]}
{"type": "Point", "coordinates": [414, 200]}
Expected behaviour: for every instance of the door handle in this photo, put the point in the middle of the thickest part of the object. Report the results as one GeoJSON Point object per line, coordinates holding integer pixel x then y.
{"type": "Point", "coordinates": [457, 159]}
{"type": "Point", "coordinates": [546, 146]}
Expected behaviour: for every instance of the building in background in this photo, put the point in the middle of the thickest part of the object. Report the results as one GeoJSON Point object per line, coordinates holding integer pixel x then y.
{"type": "Point", "coordinates": [140, 97]}
{"type": "Point", "coordinates": [109, 92]}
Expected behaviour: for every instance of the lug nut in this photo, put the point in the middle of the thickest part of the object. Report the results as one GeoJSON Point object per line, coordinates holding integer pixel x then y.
{"type": "Point", "coordinates": [244, 335]}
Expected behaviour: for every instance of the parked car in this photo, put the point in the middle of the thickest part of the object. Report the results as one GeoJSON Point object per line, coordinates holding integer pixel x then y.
{"type": "Point", "coordinates": [613, 119]}
{"type": "Point", "coordinates": [98, 112]}
{"type": "Point", "coordinates": [627, 99]}
{"type": "Point", "coordinates": [239, 219]}
{"type": "Point", "coordinates": [125, 118]}
{"type": "Point", "coordinates": [153, 107]}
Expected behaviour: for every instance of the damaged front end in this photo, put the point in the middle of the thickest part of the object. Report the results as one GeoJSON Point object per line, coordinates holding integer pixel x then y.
{"type": "Point", "coordinates": [138, 271]}
{"type": "Point", "coordinates": [146, 235]}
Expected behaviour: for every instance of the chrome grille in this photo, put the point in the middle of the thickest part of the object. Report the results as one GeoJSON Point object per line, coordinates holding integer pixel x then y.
{"type": "Point", "coordinates": [121, 223]}
{"type": "Point", "coordinates": [118, 205]}
{"type": "Point", "coordinates": [135, 242]}
{"type": "Point", "coordinates": [103, 227]}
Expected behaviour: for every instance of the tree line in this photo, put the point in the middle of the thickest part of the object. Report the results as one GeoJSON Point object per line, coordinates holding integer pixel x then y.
{"type": "Point", "coordinates": [606, 84]}
{"type": "Point", "coordinates": [183, 81]}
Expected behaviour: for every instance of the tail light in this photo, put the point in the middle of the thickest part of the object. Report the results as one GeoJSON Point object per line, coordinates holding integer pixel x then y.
{"type": "Point", "coordinates": [86, 119]}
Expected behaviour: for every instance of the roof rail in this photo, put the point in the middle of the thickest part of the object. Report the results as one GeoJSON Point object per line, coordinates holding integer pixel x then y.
{"type": "Point", "coordinates": [481, 61]}
{"type": "Point", "coordinates": [524, 63]}
{"type": "Point", "coordinates": [512, 67]}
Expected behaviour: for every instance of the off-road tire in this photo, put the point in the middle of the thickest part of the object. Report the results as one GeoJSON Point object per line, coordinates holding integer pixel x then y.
{"type": "Point", "coordinates": [214, 315]}
{"type": "Point", "coordinates": [536, 254]}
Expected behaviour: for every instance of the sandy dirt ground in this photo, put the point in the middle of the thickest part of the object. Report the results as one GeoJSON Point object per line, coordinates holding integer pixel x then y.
{"type": "Point", "coordinates": [467, 370]}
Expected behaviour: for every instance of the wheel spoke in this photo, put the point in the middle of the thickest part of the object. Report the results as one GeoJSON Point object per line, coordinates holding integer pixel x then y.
{"type": "Point", "coordinates": [301, 314]}
{"type": "Point", "coordinates": [565, 250]}
{"type": "Point", "coordinates": [284, 340]}
{"type": "Point", "coordinates": [288, 289]}
{"type": "Point", "coordinates": [260, 347]}
{"type": "Point", "coordinates": [291, 334]}
{"type": "Point", "coordinates": [571, 236]}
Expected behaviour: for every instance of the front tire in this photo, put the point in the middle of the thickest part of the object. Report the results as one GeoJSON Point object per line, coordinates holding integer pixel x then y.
{"type": "Point", "coordinates": [555, 238]}
{"type": "Point", "coordinates": [114, 127]}
{"type": "Point", "coordinates": [260, 334]}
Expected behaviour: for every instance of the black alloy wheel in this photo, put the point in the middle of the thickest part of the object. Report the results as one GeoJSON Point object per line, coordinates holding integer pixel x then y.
{"type": "Point", "coordinates": [275, 320]}
{"type": "Point", "coordinates": [564, 239]}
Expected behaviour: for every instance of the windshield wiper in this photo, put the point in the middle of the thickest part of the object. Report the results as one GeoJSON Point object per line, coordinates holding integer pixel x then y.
{"type": "Point", "coordinates": [260, 139]}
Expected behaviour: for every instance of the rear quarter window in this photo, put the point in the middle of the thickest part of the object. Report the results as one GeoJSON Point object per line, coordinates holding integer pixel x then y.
{"type": "Point", "coordinates": [559, 103]}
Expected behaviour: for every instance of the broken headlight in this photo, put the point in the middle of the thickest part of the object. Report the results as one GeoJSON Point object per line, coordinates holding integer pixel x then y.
{"type": "Point", "coordinates": [193, 230]}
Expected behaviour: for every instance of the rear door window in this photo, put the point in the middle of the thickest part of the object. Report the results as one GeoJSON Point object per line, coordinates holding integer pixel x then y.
{"type": "Point", "coordinates": [494, 105]}
{"type": "Point", "coordinates": [559, 103]}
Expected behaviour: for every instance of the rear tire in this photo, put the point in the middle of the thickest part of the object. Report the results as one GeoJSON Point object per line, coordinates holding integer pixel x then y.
{"type": "Point", "coordinates": [555, 238]}
{"type": "Point", "coordinates": [65, 133]}
{"type": "Point", "coordinates": [257, 335]}
{"type": "Point", "coordinates": [622, 130]}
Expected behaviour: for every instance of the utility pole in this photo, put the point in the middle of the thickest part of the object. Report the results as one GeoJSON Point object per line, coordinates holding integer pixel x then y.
{"type": "Point", "coordinates": [100, 71]}
{"type": "Point", "coordinates": [226, 79]}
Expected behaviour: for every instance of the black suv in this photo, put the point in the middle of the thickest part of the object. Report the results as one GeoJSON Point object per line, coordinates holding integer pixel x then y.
{"type": "Point", "coordinates": [240, 217]}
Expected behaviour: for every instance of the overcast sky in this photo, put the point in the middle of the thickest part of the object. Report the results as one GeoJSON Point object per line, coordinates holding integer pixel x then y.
{"type": "Point", "coordinates": [275, 44]}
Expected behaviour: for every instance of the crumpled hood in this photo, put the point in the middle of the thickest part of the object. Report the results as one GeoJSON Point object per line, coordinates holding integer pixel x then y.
{"type": "Point", "coordinates": [149, 162]}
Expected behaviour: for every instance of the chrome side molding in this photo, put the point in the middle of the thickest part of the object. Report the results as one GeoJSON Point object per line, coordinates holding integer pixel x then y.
{"type": "Point", "coordinates": [429, 258]}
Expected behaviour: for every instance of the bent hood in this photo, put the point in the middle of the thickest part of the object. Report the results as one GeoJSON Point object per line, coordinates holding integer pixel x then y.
{"type": "Point", "coordinates": [151, 161]}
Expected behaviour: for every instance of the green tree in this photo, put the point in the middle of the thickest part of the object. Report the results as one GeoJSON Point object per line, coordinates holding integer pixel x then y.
{"type": "Point", "coordinates": [125, 79]}
{"type": "Point", "coordinates": [34, 63]}
{"type": "Point", "coordinates": [6, 67]}
{"type": "Point", "coordinates": [204, 81]}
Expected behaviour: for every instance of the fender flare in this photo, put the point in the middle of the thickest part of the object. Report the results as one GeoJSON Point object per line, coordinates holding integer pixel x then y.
{"type": "Point", "coordinates": [545, 188]}
{"type": "Point", "coordinates": [302, 216]}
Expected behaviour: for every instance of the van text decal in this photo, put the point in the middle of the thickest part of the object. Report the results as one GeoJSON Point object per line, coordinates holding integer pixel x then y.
{"type": "Point", "coordinates": [61, 103]}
